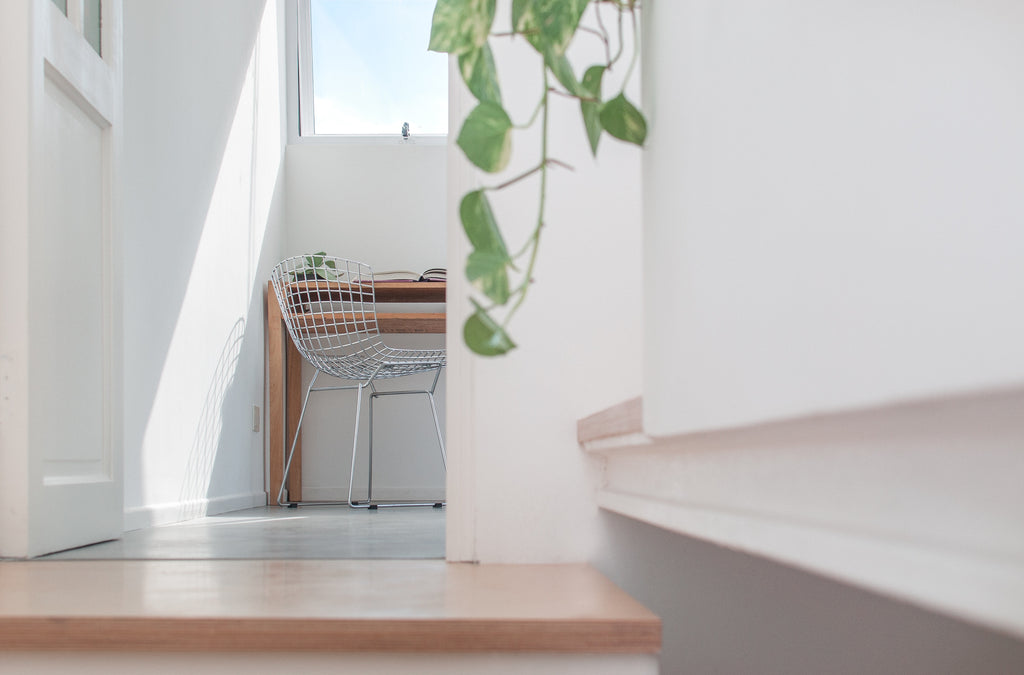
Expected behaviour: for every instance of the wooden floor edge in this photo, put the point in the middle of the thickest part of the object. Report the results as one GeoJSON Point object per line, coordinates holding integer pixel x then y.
{"type": "Point", "coordinates": [618, 420]}
{"type": "Point", "coordinates": [638, 636]}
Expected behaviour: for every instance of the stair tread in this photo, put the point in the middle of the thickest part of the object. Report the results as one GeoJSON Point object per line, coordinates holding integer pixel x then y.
{"type": "Point", "coordinates": [618, 420]}
{"type": "Point", "coordinates": [318, 605]}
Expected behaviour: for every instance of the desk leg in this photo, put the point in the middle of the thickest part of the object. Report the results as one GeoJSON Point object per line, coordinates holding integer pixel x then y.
{"type": "Point", "coordinates": [294, 403]}
{"type": "Point", "coordinates": [284, 402]}
{"type": "Point", "coordinates": [275, 394]}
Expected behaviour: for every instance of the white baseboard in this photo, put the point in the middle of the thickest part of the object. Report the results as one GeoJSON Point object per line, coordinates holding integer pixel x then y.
{"type": "Point", "coordinates": [335, 493]}
{"type": "Point", "coordinates": [138, 517]}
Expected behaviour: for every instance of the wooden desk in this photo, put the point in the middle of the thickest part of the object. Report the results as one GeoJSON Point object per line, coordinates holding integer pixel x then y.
{"type": "Point", "coordinates": [285, 376]}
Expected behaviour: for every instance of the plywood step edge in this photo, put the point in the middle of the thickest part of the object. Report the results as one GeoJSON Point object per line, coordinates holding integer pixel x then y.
{"type": "Point", "coordinates": [233, 606]}
{"type": "Point", "coordinates": [428, 636]}
{"type": "Point", "coordinates": [620, 424]}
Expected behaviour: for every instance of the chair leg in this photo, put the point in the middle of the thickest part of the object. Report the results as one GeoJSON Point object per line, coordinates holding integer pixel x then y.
{"type": "Point", "coordinates": [355, 446]}
{"type": "Point", "coordinates": [369, 484]}
{"type": "Point", "coordinates": [437, 428]}
{"type": "Point", "coordinates": [369, 471]}
{"type": "Point", "coordinates": [355, 441]}
{"type": "Point", "coordinates": [291, 453]}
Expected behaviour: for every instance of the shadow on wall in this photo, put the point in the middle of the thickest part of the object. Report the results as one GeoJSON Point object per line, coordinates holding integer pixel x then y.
{"type": "Point", "coordinates": [205, 200]}
{"type": "Point", "coordinates": [193, 501]}
{"type": "Point", "coordinates": [728, 612]}
{"type": "Point", "coordinates": [173, 156]}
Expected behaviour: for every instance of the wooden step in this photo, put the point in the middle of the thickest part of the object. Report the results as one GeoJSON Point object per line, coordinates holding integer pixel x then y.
{"type": "Point", "coordinates": [622, 419]}
{"type": "Point", "coordinates": [318, 606]}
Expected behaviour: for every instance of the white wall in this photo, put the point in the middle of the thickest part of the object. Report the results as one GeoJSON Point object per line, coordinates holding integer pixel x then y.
{"type": "Point", "coordinates": [523, 490]}
{"type": "Point", "coordinates": [384, 204]}
{"type": "Point", "coordinates": [204, 155]}
{"type": "Point", "coordinates": [832, 206]}
{"type": "Point", "coordinates": [832, 209]}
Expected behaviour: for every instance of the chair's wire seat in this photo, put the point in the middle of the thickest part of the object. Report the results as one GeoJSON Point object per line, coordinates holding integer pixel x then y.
{"type": "Point", "coordinates": [380, 362]}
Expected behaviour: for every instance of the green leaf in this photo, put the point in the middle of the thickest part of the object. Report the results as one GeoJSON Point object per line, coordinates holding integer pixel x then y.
{"type": "Point", "coordinates": [622, 120]}
{"type": "Point", "coordinates": [487, 264]}
{"type": "Point", "coordinates": [460, 26]}
{"type": "Point", "coordinates": [486, 137]}
{"type": "Point", "coordinates": [591, 110]}
{"type": "Point", "coordinates": [326, 274]}
{"type": "Point", "coordinates": [519, 10]}
{"type": "Point", "coordinates": [480, 75]}
{"type": "Point", "coordinates": [488, 272]}
{"type": "Point", "coordinates": [479, 224]}
{"type": "Point", "coordinates": [523, 19]}
{"type": "Point", "coordinates": [332, 264]}
{"type": "Point", "coordinates": [484, 336]}
{"type": "Point", "coordinates": [562, 69]}
{"type": "Point", "coordinates": [548, 25]}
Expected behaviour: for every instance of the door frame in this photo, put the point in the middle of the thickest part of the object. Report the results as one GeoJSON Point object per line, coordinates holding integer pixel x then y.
{"type": "Point", "coordinates": [461, 483]}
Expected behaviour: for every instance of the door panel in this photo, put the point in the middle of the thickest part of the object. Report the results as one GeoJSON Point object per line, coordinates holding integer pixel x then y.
{"type": "Point", "coordinates": [68, 295]}
{"type": "Point", "coordinates": [73, 347]}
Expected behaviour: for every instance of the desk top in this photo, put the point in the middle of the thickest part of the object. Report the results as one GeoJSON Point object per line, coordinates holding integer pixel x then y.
{"type": "Point", "coordinates": [384, 291]}
{"type": "Point", "coordinates": [410, 291]}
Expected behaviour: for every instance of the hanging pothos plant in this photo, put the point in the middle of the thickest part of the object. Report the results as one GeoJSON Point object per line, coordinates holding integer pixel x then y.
{"type": "Point", "coordinates": [463, 28]}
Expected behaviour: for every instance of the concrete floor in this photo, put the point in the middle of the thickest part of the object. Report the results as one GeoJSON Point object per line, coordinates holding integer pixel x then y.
{"type": "Point", "coordinates": [270, 532]}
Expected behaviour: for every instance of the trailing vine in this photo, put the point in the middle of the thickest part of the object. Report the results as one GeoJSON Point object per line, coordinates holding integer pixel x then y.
{"type": "Point", "coordinates": [463, 28]}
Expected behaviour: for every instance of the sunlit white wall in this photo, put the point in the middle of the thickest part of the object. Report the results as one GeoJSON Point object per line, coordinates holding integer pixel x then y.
{"type": "Point", "coordinates": [204, 145]}
{"type": "Point", "coordinates": [832, 207]}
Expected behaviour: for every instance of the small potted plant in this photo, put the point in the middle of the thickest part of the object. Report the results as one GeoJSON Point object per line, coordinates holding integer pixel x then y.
{"type": "Point", "coordinates": [317, 267]}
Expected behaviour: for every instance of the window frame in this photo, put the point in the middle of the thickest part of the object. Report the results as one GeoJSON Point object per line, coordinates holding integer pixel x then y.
{"type": "Point", "coordinates": [301, 34]}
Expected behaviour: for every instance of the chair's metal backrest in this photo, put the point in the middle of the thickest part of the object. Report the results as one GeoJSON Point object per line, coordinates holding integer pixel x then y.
{"type": "Point", "coordinates": [328, 305]}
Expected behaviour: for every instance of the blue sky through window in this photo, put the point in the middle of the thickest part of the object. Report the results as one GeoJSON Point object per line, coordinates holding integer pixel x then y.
{"type": "Point", "coordinates": [371, 68]}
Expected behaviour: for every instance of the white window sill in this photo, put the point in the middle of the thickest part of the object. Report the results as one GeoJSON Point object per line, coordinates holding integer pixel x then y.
{"type": "Point", "coordinates": [357, 139]}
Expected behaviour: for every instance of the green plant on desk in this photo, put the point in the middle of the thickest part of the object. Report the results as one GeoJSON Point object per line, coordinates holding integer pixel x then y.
{"type": "Point", "coordinates": [317, 266]}
{"type": "Point", "coordinates": [463, 28]}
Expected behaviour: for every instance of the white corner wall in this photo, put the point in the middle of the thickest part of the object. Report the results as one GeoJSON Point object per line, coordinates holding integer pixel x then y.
{"type": "Point", "coordinates": [832, 206]}
{"type": "Point", "coordinates": [522, 491]}
{"type": "Point", "coordinates": [382, 203]}
{"type": "Point", "coordinates": [833, 373]}
{"type": "Point", "coordinates": [204, 155]}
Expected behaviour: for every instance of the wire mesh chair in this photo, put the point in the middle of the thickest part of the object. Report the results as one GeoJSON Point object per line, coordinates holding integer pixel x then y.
{"type": "Point", "coordinates": [329, 307]}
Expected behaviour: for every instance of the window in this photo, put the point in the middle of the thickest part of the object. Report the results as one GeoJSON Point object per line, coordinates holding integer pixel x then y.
{"type": "Point", "coordinates": [86, 16]}
{"type": "Point", "coordinates": [365, 69]}
{"type": "Point", "coordinates": [91, 23]}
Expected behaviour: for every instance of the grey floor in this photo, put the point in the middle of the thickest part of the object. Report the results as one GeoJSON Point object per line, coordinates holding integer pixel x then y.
{"type": "Point", "coordinates": [308, 532]}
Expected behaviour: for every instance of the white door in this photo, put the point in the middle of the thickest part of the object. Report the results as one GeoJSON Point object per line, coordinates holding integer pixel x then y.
{"type": "Point", "coordinates": [60, 351]}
